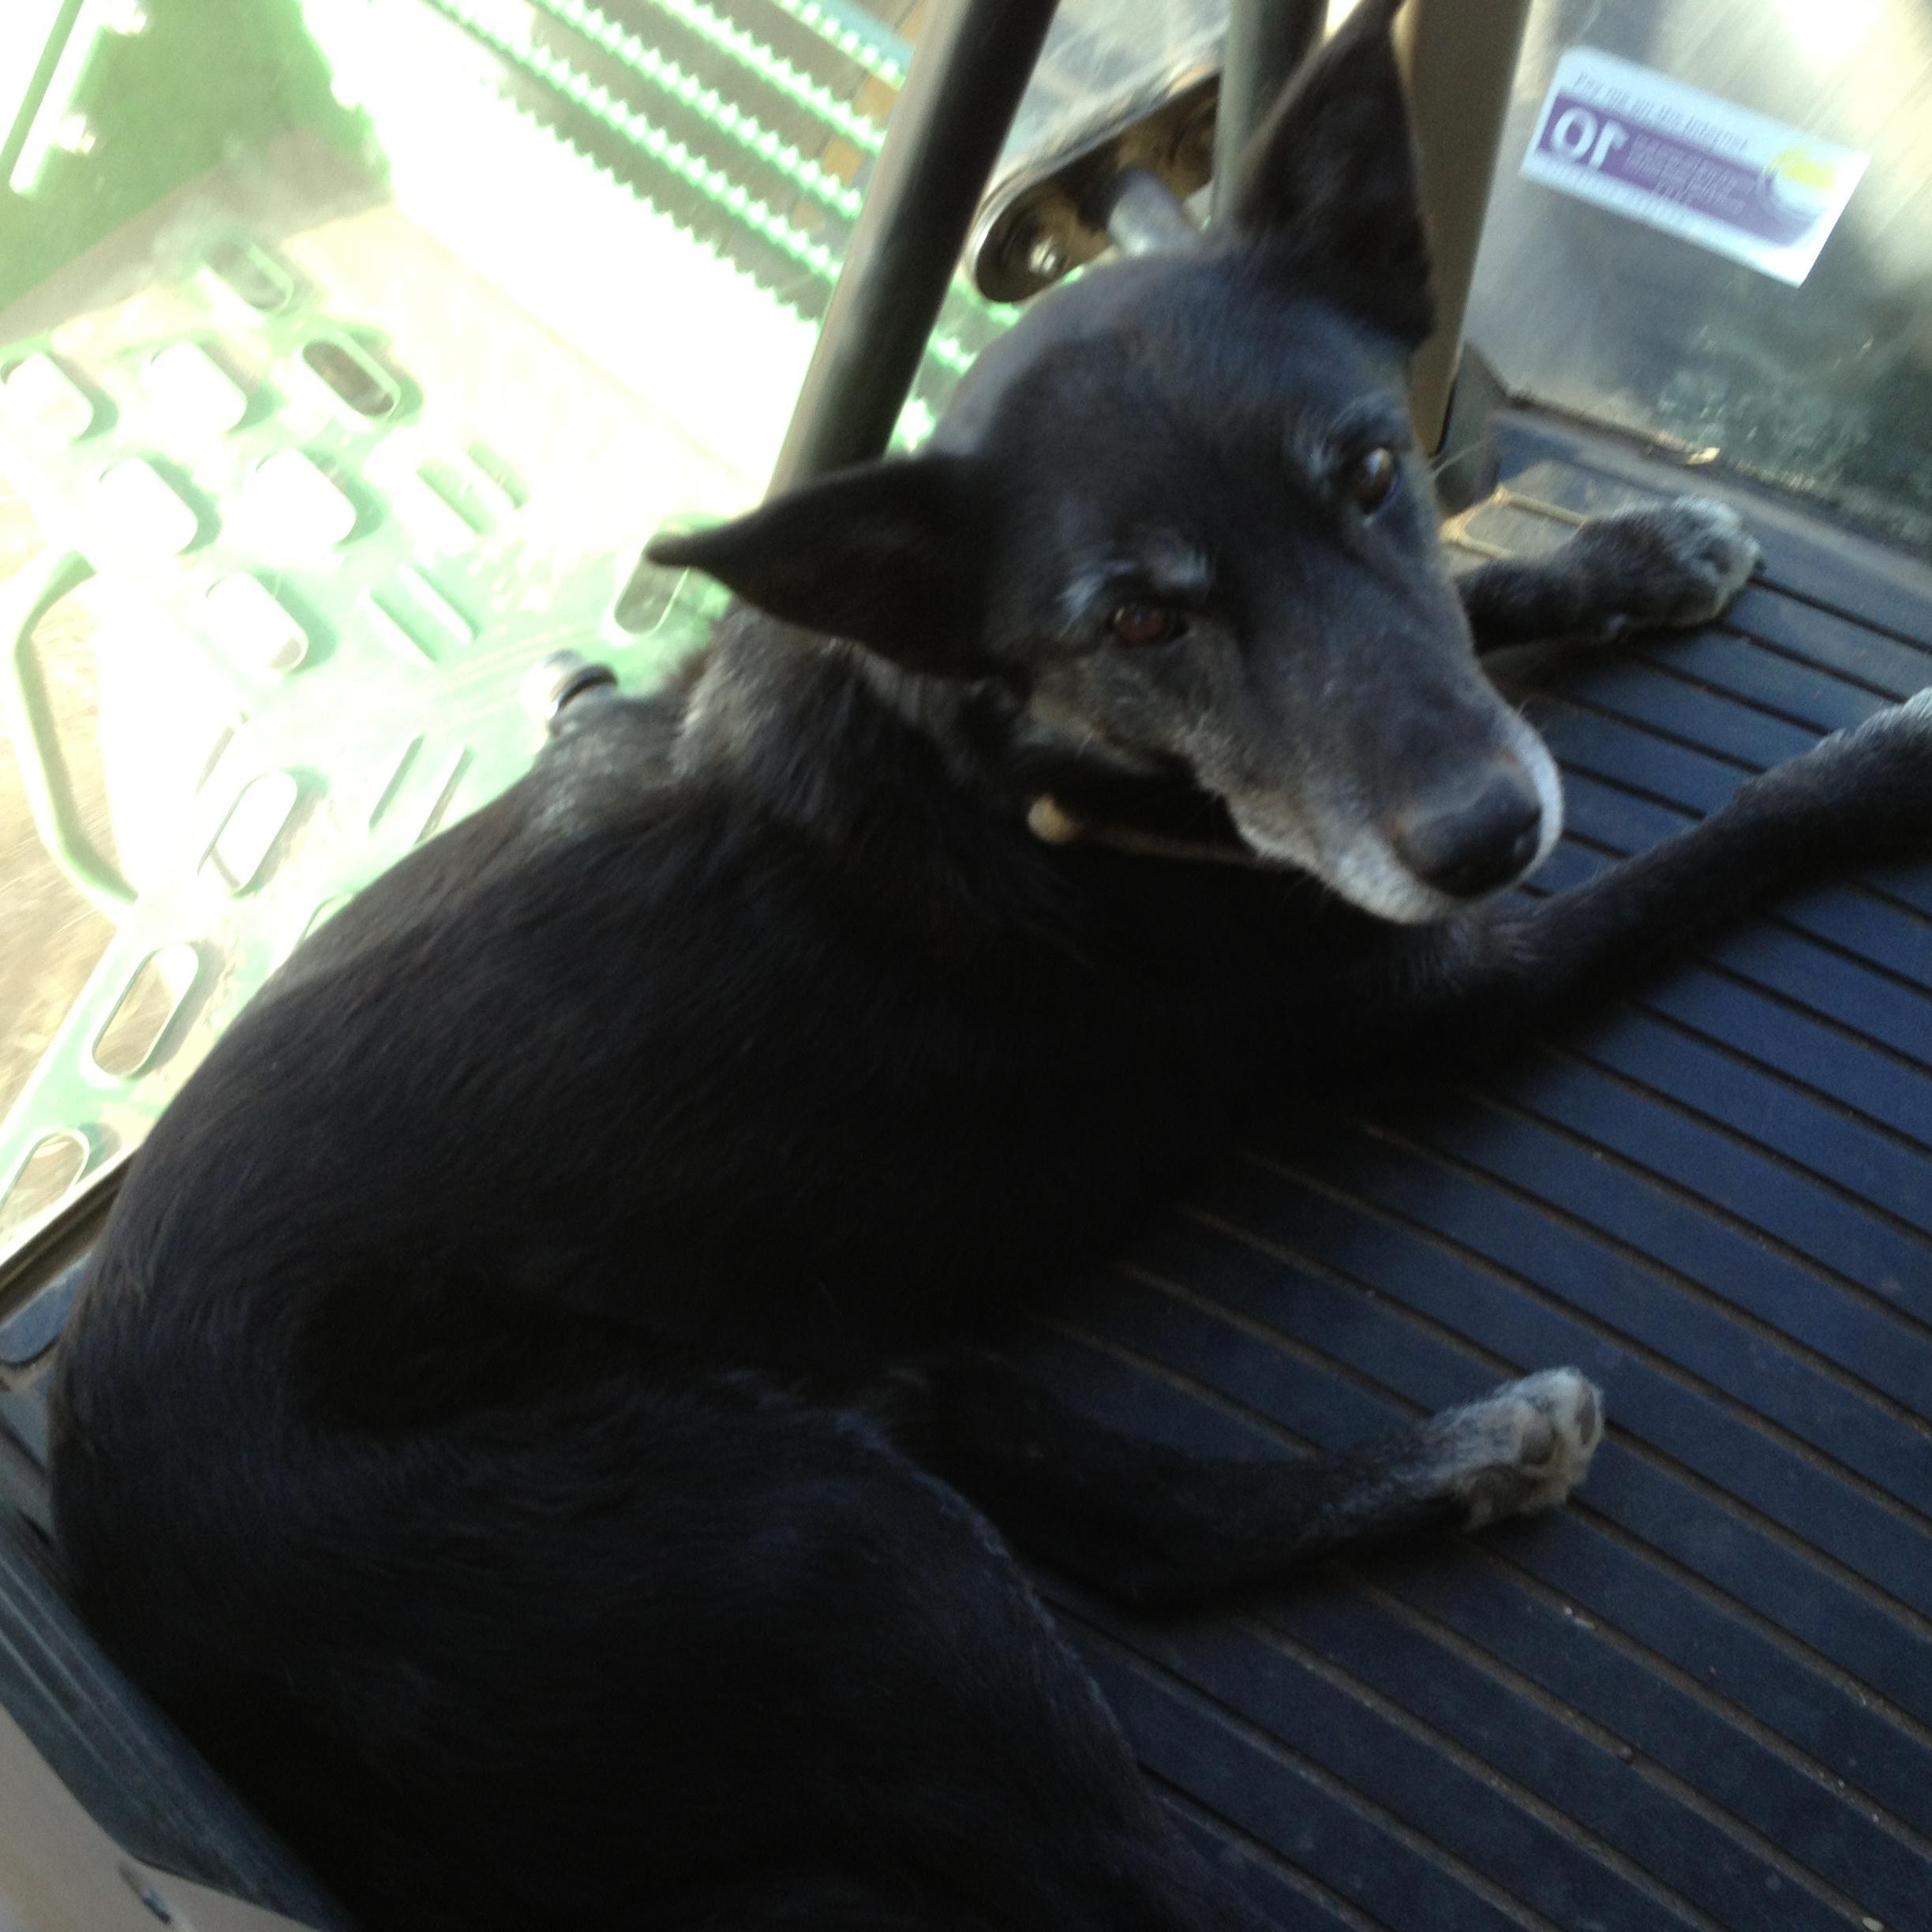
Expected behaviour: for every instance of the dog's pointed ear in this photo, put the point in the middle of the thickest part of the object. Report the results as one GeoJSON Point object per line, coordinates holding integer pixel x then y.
{"type": "Point", "coordinates": [886, 555]}
{"type": "Point", "coordinates": [1329, 181]}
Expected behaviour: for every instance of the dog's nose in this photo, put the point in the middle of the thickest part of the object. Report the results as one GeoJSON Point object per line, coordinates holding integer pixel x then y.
{"type": "Point", "coordinates": [1482, 840]}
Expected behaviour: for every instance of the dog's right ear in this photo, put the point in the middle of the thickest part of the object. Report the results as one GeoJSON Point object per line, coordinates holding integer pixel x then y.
{"type": "Point", "coordinates": [886, 554]}
{"type": "Point", "coordinates": [1328, 183]}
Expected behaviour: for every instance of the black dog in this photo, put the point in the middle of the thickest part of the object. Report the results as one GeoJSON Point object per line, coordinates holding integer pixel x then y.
{"type": "Point", "coordinates": [479, 1429]}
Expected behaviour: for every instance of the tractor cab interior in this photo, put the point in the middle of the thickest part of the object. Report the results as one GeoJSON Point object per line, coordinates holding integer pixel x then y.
{"type": "Point", "coordinates": [349, 351]}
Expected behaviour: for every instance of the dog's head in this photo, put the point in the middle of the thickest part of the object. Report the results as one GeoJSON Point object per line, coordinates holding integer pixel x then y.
{"type": "Point", "coordinates": [1179, 510]}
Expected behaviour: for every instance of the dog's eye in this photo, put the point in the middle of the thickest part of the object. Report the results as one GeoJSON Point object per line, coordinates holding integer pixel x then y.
{"type": "Point", "coordinates": [1372, 477]}
{"type": "Point", "coordinates": [1142, 625]}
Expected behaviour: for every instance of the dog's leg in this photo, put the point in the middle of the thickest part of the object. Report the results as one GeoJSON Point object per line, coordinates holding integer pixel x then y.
{"type": "Point", "coordinates": [1666, 567]}
{"type": "Point", "coordinates": [667, 1648]}
{"type": "Point", "coordinates": [1150, 1524]}
{"type": "Point", "coordinates": [798, 1902]}
{"type": "Point", "coordinates": [1496, 972]}
{"type": "Point", "coordinates": [795, 1902]}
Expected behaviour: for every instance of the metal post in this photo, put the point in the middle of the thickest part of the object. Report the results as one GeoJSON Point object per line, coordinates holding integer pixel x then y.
{"type": "Point", "coordinates": [968, 72]}
{"type": "Point", "coordinates": [1145, 216]}
{"type": "Point", "coordinates": [1266, 41]}
{"type": "Point", "coordinates": [1459, 59]}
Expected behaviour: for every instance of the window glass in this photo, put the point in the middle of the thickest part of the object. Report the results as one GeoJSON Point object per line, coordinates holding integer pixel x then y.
{"type": "Point", "coordinates": [350, 348]}
{"type": "Point", "coordinates": [1824, 386]}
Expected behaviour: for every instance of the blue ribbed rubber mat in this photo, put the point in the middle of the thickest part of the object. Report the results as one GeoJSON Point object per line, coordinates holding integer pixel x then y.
{"type": "Point", "coordinates": [1702, 1696]}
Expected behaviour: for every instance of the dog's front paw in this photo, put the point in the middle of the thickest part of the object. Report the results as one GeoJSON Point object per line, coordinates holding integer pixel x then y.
{"type": "Point", "coordinates": [1873, 780]}
{"type": "Point", "coordinates": [1671, 565]}
{"type": "Point", "coordinates": [1522, 1449]}
{"type": "Point", "coordinates": [1902, 730]}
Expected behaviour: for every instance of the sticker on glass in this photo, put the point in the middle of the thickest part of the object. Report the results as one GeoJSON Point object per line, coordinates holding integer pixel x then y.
{"type": "Point", "coordinates": [1684, 161]}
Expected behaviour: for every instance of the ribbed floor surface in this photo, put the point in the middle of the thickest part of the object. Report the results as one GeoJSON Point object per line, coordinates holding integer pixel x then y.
{"type": "Point", "coordinates": [1702, 1695]}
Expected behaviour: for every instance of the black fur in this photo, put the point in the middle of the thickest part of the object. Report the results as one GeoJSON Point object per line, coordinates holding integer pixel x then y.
{"type": "Point", "coordinates": [480, 1429]}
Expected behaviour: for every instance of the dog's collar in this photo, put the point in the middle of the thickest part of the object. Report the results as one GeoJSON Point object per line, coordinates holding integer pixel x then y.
{"type": "Point", "coordinates": [1050, 822]}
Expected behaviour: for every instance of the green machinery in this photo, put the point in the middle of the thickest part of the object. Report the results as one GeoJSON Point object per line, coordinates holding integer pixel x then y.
{"type": "Point", "coordinates": [343, 403]}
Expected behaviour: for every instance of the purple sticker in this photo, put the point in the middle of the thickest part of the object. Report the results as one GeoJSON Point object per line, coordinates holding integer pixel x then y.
{"type": "Point", "coordinates": [1724, 176]}
{"type": "Point", "coordinates": [1694, 177]}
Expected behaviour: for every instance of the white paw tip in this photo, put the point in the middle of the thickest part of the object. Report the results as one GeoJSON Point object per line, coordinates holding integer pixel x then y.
{"type": "Point", "coordinates": [1908, 719]}
{"type": "Point", "coordinates": [1546, 1428]}
{"type": "Point", "coordinates": [1721, 515]}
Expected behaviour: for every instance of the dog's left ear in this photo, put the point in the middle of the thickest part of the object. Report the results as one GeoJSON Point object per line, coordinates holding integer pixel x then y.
{"type": "Point", "coordinates": [1328, 183]}
{"type": "Point", "coordinates": [884, 554]}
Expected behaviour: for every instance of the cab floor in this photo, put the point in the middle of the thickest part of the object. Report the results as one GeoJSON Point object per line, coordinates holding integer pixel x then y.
{"type": "Point", "coordinates": [1699, 1697]}
{"type": "Point", "coordinates": [1702, 1695]}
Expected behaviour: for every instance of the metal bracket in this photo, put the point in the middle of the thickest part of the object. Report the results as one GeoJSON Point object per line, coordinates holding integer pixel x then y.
{"type": "Point", "coordinates": [1054, 215]}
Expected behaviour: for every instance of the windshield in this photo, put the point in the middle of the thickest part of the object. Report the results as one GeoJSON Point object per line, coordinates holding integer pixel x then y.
{"type": "Point", "coordinates": [1823, 384]}
{"type": "Point", "coordinates": [350, 348]}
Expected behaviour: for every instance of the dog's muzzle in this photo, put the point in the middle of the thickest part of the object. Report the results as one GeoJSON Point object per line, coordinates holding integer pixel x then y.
{"type": "Point", "coordinates": [1472, 844]}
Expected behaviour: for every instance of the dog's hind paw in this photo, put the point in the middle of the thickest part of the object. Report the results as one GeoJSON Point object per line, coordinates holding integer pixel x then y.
{"type": "Point", "coordinates": [1522, 1449]}
{"type": "Point", "coordinates": [1670, 565]}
